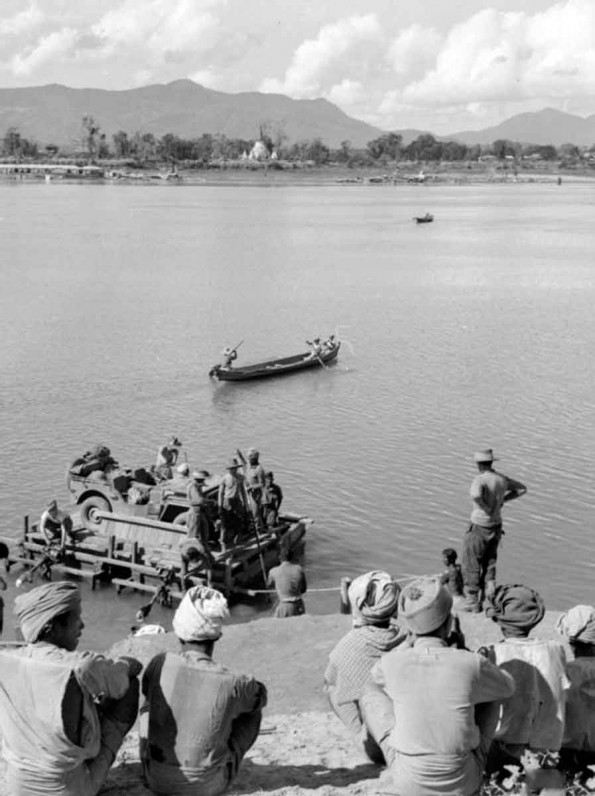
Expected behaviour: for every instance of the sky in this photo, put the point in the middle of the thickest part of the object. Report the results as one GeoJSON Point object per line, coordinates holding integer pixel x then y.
{"type": "Point", "coordinates": [440, 65]}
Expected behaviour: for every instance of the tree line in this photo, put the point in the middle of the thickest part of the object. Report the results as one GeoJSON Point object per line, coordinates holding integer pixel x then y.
{"type": "Point", "coordinates": [141, 149]}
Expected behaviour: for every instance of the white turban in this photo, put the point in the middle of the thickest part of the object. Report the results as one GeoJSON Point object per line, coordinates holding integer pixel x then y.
{"type": "Point", "coordinates": [200, 615]}
{"type": "Point", "coordinates": [373, 598]}
{"type": "Point", "coordinates": [578, 624]}
{"type": "Point", "coordinates": [40, 605]}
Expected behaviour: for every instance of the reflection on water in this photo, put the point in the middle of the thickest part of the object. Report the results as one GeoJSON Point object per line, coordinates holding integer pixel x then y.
{"type": "Point", "coordinates": [471, 332]}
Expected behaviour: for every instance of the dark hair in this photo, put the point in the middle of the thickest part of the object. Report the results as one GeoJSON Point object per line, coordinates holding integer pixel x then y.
{"type": "Point", "coordinates": [450, 554]}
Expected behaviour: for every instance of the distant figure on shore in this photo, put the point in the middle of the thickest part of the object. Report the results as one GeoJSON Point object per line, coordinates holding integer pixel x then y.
{"type": "Point", "coordinates": [56, 525]}
{"type": "Point", "coordinates": [430, 707]}
{"type": "Point", "coordinates": [489, 491]}
{"type": "Point", "coordinates": [198, 719]}
{"type": "Point", "coordinates": [167, 458]}
{"type": "Point", "coordinates": [530, 725]}
{"type": "Point", "coordinates": [452, 577]}
{"type": "Point", "coordinates": [272, 499]}
{"type": "Point", "coordinates": [373, 598]}
{"type": "Point", "coordinates": [289, 581]}
{"type": "Point", "coordinates": [577, 627]}
{"type": "Point", "coordinates": [63, 714]}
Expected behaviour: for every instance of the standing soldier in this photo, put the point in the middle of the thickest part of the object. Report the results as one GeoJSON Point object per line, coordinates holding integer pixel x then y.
{"type": "Point", "coordinates": [255, 487]}
{"type": "Point", "coordinates": [489, 491]}
{"type": "Point", "coordinates": [198, 525]}
{"type": "Point", "coordinates": [232, 504]}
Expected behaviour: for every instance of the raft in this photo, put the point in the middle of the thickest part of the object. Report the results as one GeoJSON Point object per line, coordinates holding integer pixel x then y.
{"type": "Point", "coordinates": [134, 552]}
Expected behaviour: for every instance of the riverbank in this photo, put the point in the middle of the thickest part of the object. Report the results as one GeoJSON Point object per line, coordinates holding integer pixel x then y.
{"type": "Point", "coordinates": [299, 173]}
{"type": "Point", "coordinates": [303, 747]}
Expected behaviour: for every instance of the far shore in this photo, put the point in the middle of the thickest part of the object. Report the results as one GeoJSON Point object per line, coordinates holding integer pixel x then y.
{"type": "Point", "coordinates": [296, 174]}
{"type": "Point", "coordinates": [302, 747]}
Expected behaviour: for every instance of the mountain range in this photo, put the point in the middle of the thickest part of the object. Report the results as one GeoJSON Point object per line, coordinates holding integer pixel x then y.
{"type": "Point", "coordinates": [547, 126]}
{"type": "Point", "coordinates": [53, 114]}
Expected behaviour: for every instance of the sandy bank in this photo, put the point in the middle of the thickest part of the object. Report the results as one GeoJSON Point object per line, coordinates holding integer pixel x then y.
{"type": "Point", "coordinates": [303, 747]}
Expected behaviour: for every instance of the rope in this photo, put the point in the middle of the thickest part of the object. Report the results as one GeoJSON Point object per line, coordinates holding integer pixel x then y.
{"type": "Point", "coordinates": [253, 592]}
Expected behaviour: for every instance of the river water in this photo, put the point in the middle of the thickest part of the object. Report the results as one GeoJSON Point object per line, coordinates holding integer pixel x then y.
{"type": "Point", "coordinates": [474, 331]}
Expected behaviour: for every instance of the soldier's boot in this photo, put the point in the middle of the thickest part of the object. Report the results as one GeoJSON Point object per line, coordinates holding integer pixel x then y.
{"type": "Point", "coordinates": [472, 602]}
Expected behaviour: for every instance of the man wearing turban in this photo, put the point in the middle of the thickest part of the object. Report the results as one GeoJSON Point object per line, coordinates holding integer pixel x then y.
{"type": "Point", "coordinates": [533, 720]}
{"type": "Point", "coordinates": [439, 699]}
{"type": "Point", "coordinates": [198, 719]}
{"type": "Point", "coordinates": [63, 714]}
{"type": "Point", "coordinates": [577, 627]}
{"type": "Point", "coordinates": [373, 598]}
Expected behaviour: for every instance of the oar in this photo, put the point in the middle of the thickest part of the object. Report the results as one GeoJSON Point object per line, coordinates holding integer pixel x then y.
{"type": "Point", "coordinates": [255, 526]}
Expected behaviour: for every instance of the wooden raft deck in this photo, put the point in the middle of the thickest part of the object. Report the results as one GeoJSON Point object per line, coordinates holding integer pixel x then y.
{"type": "Point", "coordinates": [142, 554]}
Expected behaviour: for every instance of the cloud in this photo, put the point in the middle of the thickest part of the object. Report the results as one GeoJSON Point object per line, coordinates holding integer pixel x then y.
{"type": "Point", "coordinates": [346, 93]}
{"type": "Point", "coordinates": [160, 26]}
{"type": "Point", "coordinates": [329, 59]}
{"type": "Point", "coordinates": [413, 51]}
{"type": "Point", "coordinates": [21, 22]}
{"type": "Point", "coordinates": [504, 57]}
{"type": "Point", "coordinates": [60, 43]}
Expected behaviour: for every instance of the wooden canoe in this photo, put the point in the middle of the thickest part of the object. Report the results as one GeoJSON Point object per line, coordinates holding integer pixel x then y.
{"type": "Point", "coordinates": [277, 367]}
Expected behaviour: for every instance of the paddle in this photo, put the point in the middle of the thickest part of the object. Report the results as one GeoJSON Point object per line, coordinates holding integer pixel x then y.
{"type": "Point", "coordinates": [255, 526]}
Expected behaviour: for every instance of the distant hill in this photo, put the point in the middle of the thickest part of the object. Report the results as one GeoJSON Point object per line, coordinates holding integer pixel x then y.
{"type": "Point", "coordinates": [53, 113]}
{"type": "Point", "coordinates": [547, 126]}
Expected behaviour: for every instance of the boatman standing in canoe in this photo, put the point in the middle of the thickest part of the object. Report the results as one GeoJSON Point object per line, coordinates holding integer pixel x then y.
{"type": "Point", "coordinates": [489, 491]}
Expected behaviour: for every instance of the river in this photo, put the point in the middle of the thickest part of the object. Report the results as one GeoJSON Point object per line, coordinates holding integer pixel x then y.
{"type": "Point", "coordinates": [474, 331]}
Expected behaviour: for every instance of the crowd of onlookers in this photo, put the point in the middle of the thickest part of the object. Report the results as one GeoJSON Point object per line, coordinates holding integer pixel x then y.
{"type": "Point", "coordinates": [442, 718]}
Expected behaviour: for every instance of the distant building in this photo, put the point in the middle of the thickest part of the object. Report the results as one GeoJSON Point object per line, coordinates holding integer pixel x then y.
{"type": "Point", "coordinates": [259, 151]}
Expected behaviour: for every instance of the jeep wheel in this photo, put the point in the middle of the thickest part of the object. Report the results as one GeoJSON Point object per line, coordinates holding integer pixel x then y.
{"type": "Point", "coordinates": [89, 508]}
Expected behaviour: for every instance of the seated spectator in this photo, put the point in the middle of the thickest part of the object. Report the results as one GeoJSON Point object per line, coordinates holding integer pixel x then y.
{"type": "Point", "coordinates": [373, 598]}
{"type": "Point", "coordinates": [577, 626]}
{"type": "Point", "coordinates": [430, 707]}
{"type": "Point", "coordinates": [198, 720]}
{"type": "Point", "coordinates": [289, 581]}
{"type": "Point", "coordinates": [452, 577]}
{"type": "Point", "coordinates": [63, 714]}
{"type": "Point", "coordinates": [530, 725]}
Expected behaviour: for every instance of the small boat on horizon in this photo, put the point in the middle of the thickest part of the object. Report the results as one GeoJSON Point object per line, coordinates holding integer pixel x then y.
{"type": "Point", "coordinates": [423, 219]}
{"type": "Point", "coordinates": [279, 367]}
